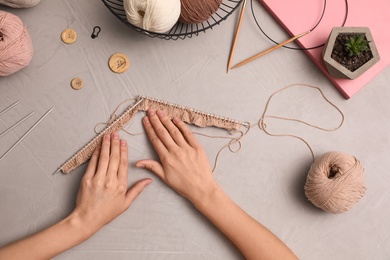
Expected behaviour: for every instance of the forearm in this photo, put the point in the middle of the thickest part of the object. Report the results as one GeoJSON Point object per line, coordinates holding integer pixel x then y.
{"type": "Point", "coordinates": [50, 242]}
{"type": "Point", "coordinates": [253, 239]}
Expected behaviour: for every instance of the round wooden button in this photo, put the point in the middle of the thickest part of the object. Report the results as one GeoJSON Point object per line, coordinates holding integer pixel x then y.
{"type": "Point", "coordinates": [69, 36]}
{"type": "Point", "coordinates": [119, 62]}
{"type": "Point", "coordinates": [76, 83]}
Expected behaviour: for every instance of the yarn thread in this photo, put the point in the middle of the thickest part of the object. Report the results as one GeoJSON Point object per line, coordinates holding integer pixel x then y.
{"type": "Point", "coordinates": [152, 15]}
{"type": "Point", "coordinates": [263, 126]}
{"type": "Point", "coordinates": [197, 11]}
{"type": "Point", "coordinates": [335, 182]}
{"type": "Point", "coordinates": [20, 3]}
{"type": "Point", "coordinates": [16, 48]}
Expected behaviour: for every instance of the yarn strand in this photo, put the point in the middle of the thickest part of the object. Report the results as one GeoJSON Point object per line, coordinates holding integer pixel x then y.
{"type": "Point", "coordinates": [263, 126]}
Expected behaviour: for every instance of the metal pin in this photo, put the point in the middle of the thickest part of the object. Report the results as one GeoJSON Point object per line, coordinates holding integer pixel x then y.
{"type": "Point", "coordinates": [8, 108]}
{"type": "Point", "coordinates": [10, 149]}
{"type": "Point", "coordinates": [15, 125]}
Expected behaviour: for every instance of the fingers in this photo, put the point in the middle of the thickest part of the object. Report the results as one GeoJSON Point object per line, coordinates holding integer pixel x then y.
{"type": "Point", "coordinates": [173, 131]}
{"type": "Point", "coordinates": [124, 162]}
{"type": "Point", "coordinates": [115, 155]}
{"type": "Point", "coordinates": [91, 169]}
{"type": "Point", "coordinates": [154, 139]}
{"type": "Point", "coordinates": [111, 159]}
{"type": "Point", "coordinates": [186, 132]}
{"type": "Point", "coordinates": [104, 156]}
{"type": "Point", "coordinates": [134, 191]}
{"type": "Point", "coordinates": [152, 166]}
{"type": "Point", "coordinates": [160, 129]}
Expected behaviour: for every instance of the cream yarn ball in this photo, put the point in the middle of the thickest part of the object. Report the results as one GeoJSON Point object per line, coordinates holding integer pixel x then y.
{"type": "Point", "coordinates": [20, 3]}
{"type": "Point", "coordinates": [157, 16]}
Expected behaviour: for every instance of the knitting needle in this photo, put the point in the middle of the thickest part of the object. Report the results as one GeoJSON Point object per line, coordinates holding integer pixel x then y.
{"type": "Point", "coordinates": [10, 149]}
{"type": "Point", "coordinates": [236, 36]}
{"type": "Point", "coordinates": [270, 49]}
{"type": "Point", "coordinates": [16, 124]}
{"type": "Point", "coordinates": [8, 108]}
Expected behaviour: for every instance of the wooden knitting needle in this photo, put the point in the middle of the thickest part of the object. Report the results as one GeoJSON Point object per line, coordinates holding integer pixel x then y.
{"type": "Point", "coordinates": [236, 36]}
{"type": "Point", "coordinates": [269, 50]}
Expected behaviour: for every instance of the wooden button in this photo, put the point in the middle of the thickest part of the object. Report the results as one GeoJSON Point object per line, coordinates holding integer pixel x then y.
{"type": "Point", "coordinates": [76, 83]}
{"type": "Point", "coordinates": [69, 36]}
{"type": "Point", "coordinates": [119, 62]}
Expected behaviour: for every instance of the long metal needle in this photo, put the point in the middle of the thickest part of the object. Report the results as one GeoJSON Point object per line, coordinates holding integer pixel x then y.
{"type": "Point", "coordinates": [8, 108]}
{"type": "Point", "coordinates": [269, 50]}
{"type": "Point", "coordinates": [10, 149]}
{"type": "Point", "coordinates": [236, 36]}
{"type": "Point", "coordinates": [16, 124]}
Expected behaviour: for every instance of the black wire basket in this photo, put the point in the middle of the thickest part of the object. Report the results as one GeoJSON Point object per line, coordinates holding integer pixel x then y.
{"type": "Point", "coordinates": [179, 30]}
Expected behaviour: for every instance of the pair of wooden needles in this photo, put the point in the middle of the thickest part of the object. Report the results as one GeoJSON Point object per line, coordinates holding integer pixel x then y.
{"type": "Point", "coordinates": [257, 55]}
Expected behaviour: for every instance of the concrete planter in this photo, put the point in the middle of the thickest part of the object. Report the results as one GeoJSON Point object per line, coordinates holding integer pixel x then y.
{"type": "Point", "coordinates": [337, 70]}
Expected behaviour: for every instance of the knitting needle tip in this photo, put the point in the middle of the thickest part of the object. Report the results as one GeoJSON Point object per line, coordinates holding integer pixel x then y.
{"type": "Point", "coordinates": [236, 36]}
{"type": "Point", "coordinates": [11, 106]}
{"type": "Point", "coordinates": [54, 173]}
{"type": "Point", "coordinates": [25, 134]}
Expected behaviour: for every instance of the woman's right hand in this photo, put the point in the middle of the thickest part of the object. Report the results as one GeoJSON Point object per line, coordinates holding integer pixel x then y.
{"type": "Point", "coordinates": [184, 165]}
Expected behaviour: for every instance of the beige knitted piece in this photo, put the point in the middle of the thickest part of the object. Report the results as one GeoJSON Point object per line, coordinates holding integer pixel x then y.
{"type": "Point", "coordinates": [188, 115]}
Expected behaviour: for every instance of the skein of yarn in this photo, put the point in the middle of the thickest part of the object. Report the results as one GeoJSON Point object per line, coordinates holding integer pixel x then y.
{"type": "Point", "coordinates": [20, 3]}
{"type": "Point", "coordinates": [152, 15]}
{"type": "Point", "coordinates": [335, 182]}
{"type": "Point", "coordinates": [197, 11]}
{"type": "Point", "coordinates": [16, 48]}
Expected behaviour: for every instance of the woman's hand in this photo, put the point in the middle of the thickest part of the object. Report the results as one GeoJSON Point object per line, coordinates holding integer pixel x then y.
{"type": "Point", "coordinates": [102, 197]}
{"type": "Point", "coordinates": [184, 165]}
{"type": "Point", "coordinates": [103, 191]}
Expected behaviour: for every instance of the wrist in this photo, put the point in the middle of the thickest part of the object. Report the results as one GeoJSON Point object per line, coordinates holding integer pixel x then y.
{"type": "Point", "coordinates": [82, 224]}
{"type": "Point", "coordinates": [208, 198]}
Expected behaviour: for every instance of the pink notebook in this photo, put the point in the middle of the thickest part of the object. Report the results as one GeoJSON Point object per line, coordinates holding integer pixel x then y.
{"type": "Point", "coordinates": [299, 16]}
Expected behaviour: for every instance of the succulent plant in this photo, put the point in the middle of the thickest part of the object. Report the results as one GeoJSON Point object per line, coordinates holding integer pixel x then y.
{"type": "Point", "coordinates": [356, 44]}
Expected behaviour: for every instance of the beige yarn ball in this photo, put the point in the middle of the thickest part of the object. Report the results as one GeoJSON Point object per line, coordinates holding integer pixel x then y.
{"type": "Point", "coordinates": [335, 182]}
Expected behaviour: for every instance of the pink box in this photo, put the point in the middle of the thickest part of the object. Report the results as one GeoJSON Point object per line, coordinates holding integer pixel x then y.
{"type": "Point", "coordinates": [301, 15]}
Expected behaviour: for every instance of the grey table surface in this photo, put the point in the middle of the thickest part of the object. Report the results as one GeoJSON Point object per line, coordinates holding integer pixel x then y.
{"type": "Point", "coordinates": [265, 177]}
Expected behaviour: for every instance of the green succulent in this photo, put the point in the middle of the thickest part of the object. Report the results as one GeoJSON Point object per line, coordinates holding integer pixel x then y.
{"type": "Point", "coordinates": [356, 44]}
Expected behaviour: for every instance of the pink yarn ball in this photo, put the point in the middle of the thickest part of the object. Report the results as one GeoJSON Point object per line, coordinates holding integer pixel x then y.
{"type": "Point", "coordinates": [16, 48]}
{"type": "Point", "coordinates": [20, 3]}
